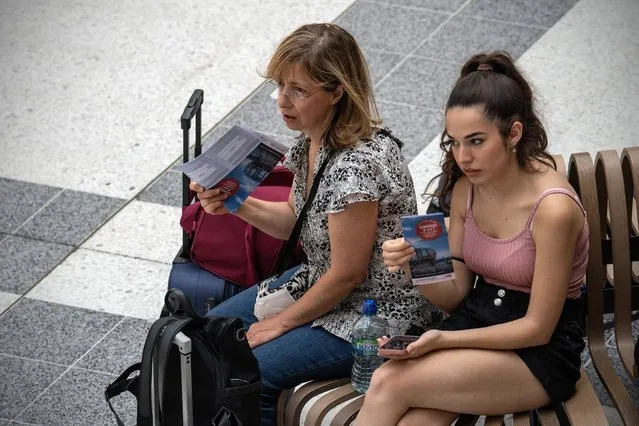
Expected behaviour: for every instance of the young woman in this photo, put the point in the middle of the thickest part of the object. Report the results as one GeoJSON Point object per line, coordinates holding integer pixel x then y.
{"type": "Point", "coordinates": [519, 239]}
{"type": "Point", "coordinates": [325, 92]}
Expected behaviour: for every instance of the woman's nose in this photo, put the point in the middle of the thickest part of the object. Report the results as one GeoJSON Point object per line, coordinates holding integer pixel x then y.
{"type": "Point", "coordinates": [283, 100]}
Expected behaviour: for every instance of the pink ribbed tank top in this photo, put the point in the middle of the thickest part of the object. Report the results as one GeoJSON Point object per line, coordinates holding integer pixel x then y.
{"type": "Point", "coordinates": [510, 262]}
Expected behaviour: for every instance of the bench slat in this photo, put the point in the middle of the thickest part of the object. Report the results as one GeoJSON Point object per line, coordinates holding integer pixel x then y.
{"type": "Point", "coordinates": [348, 412]}
{"type": "Point", "coordinates": [327, 402]}
{"type": "Point", "coordinates": [584, 407]}
{"type": "Point", "coordinates": [305, 393]}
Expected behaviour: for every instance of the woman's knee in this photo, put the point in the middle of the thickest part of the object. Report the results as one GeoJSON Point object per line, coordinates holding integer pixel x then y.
{"type": "Point", "coordinates": [386, 378]}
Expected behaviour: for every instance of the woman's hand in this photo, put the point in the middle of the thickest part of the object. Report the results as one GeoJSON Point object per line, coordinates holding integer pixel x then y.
{"type": "Point", "coordinates": [427, 342]}
{"type": "Point", "coordinates": [264, 331]}
{"type": "Point", "coordinates": [212, 200]}
{"type": "Point", "coordinates": [396, 255]}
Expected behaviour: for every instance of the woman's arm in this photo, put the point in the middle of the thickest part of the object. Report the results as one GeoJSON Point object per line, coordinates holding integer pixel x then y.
{"type": "Point", "coordinates": [557, 224]}
{"type": "Point", "coordinates": [274, 218]}
{"type": "Point", "coordinates": [352, 234]}
{"type": "Point", "coordinates": [448, 294]}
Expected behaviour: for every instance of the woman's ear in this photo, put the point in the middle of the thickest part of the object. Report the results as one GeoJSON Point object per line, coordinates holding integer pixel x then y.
{"type": "Point", "coordinates": [516, 130]}
{"type": "Point", "coordinates": [337, 94]}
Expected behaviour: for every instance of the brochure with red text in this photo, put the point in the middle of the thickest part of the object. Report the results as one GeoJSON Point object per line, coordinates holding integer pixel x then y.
{"type": "Point", "coordinates": [428, 235]}
{"type": "Point", "coordinates": [238, 162]}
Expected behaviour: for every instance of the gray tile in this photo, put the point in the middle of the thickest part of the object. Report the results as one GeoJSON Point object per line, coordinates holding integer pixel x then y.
{"type": "Point", "coordinates": [3, 236]}
{"type": "Point", "coordinates": [24, 262]}
{"type": "Point", "coordinates": [260, 112]}
{"type": "Point", "coordinates": [77, 397]}
{"type": "Point", "coordinates": [389, 28]}
{"type": "Point", "coordinates": [420, 82]}
{"type": "Point", "coordinates": [119, 349]}
{"type": "Point", "coordinates": [380, 63]}
{"type": "Point", "coordinates": [20, 200]}
{"type": "Point", "coordinates": [71, 217]}
{"type": "Point", "coordinates": [415, 126]}
{"type": "Point", "coordinates": [541, 12]}
{"type": "Point", "coordinates": [440, 5]}
{"type": "Point", "coordinates": [22, 381]}
{"type": "Point", "coordinates": [4, 423]}
{"type": "Point", "coordinates": [462, 37]}
{"type": "Point", "coordinates": [167, 190]}
{"type": "Point", "coordinates": [51, 332]}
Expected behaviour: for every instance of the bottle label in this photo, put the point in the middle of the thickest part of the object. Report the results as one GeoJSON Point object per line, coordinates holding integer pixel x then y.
{"type": "Point", "coordinates": [366, 347]}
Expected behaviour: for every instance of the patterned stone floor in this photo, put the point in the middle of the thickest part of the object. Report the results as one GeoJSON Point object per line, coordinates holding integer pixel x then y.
{"type": "Point", "coordinates": [89, 135]}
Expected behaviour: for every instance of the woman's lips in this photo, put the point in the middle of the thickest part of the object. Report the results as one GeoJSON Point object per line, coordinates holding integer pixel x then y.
{"type": "Point", "coordinates": [471, 171]}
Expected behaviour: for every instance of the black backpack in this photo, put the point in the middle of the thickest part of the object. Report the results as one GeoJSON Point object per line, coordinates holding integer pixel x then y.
{"type": "Point", "coordinates": [225, 377]}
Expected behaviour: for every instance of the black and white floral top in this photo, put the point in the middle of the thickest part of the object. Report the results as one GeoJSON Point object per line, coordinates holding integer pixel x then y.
{"type": "Point", "coordinates": [370, 170]}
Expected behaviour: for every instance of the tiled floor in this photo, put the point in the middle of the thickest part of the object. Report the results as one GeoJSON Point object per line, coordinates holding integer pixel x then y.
{"type": "Point", "coordinates": [89, 133]}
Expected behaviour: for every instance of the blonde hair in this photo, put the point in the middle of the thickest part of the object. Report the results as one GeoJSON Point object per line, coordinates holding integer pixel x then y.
{"type": "Point", "coordinates": [331, 57]}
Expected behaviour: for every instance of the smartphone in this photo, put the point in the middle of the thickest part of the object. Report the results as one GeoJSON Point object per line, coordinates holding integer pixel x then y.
{"type": "Point", "coordinates": [396, 345]}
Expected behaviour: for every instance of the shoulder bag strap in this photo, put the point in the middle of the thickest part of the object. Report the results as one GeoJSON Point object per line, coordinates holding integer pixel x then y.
{"type": "Point", "coordinates": [285, 256]}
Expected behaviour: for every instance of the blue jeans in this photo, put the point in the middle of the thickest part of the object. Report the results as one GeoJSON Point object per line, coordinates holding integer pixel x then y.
{"type": "Point", "coordinates": [304, 353]}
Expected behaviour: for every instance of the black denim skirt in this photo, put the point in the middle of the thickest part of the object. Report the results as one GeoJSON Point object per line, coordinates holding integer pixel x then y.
{"type": "Point", "coordinates": [556, 364]}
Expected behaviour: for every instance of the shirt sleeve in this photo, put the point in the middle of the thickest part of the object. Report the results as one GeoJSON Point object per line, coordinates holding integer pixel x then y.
{"type": "Point", "coordinates": [357, 176]}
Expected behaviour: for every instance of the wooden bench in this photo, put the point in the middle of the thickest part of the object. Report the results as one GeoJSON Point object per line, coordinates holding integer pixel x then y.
{"type": "Point", "coordinates": [609, 185]}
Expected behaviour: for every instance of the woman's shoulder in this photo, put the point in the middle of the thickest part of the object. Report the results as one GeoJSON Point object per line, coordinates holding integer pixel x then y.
{"type": "Point", "coordinates": [550, 180]}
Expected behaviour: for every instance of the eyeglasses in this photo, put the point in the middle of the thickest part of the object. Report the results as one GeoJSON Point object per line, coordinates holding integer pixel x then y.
{"type": "Point", "coordinates": [294, 94]}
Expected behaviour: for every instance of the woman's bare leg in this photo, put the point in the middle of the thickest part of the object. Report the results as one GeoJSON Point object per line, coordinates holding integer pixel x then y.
{"type": "Point", "coordinates": [472, 381]}
{"type": "Point", "coordinates": [427, 416]}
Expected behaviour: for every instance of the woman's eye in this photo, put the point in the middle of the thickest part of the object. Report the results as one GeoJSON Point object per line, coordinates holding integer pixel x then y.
{"type": "Point", "coordinates": [476, 141]}
{"type": "Point", "coordinates": [299, 91]}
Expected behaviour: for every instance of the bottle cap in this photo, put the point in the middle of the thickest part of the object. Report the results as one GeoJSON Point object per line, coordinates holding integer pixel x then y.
{"type": "Point", "coordinates": [369, 307]}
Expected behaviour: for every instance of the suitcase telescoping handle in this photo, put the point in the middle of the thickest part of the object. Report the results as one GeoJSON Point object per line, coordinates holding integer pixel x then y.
{"type": "Point", "coordinates": [193, 108]}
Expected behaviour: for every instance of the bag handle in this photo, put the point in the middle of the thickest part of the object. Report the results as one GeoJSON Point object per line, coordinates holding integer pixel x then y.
{"type": "Point", "coordinates": [285, 256]}
{"type": "Point", "coordinates": [192, 108]}
{"type": "Point", "coordinates": [123, 384]}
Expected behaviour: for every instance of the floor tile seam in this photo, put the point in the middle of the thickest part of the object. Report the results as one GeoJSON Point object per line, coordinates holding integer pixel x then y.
{"type": "Point", "coordinates": [385, 101]}
{"type": "Point", "coordinates": [503, 21]}
{"type": "Point", "coordinates": [430, 58]}
{"type": "Point", "coordinates": [33, 359]}
{"type": "Point", "coordinates": [128, 256]}
{"type": "Point", "coordinates": [45, 205]}
{"type": "Point", "coordinates": [413, 8]}
{"type": "Point", "coordinates": [69, 369]}
{"type": "Point", "coordinates": [435, 31]}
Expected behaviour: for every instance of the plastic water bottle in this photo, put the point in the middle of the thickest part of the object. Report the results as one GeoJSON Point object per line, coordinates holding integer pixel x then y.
{"type": "Point", "coordinates": [366, 330]}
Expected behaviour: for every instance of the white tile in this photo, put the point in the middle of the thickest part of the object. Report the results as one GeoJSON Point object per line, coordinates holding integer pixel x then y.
{"type": "Point", "coordinates": [423, 168]}
{"type": "Point", "coordinates": [106, 282]}
{"type": "Point", "coordinates": [586, 70]}
{"type": "Point", "coordinates": [143, 230]}
{"type": "Point", "coordinates": [6, 300]}
{"type": "Point", "coordinates": [92, 97]}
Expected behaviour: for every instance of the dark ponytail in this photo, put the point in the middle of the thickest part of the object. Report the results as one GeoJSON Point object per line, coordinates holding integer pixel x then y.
{"type": "Point", "coordinates": [493, 81]}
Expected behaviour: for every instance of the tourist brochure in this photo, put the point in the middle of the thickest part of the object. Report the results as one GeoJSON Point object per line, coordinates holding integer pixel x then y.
{"type": "Point", "coordinates": [428, 235]}
{"type": "Point", "coordinates": [237, 163]}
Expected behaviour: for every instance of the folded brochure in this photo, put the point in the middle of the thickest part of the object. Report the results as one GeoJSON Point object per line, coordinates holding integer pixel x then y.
{"type": "Point", "coordinates": [237, 163]}
{"type": "Point", "coordinates": [428, 235]}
